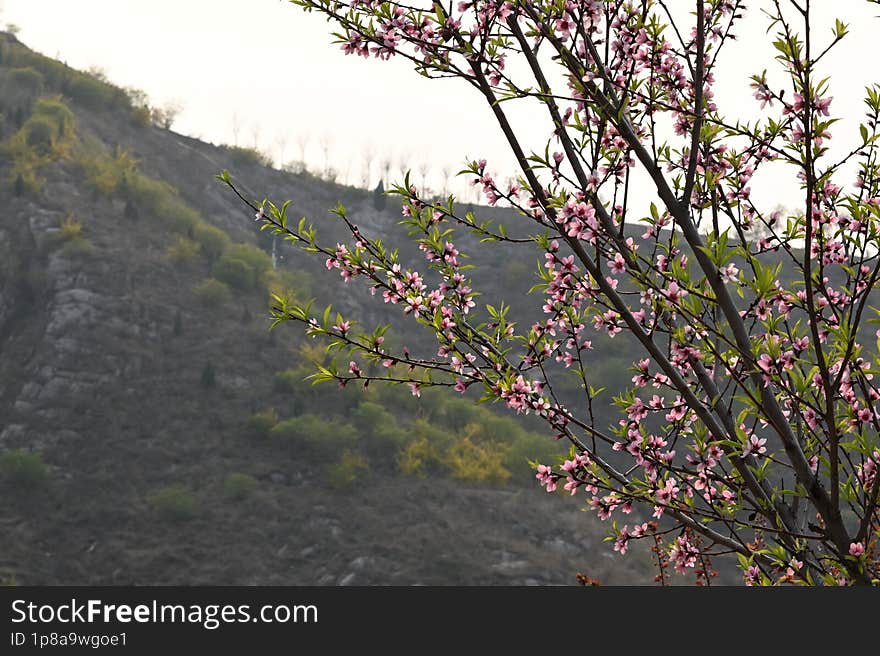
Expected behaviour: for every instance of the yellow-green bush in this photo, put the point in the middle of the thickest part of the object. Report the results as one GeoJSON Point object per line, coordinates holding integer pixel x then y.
{"type": "Point", "coordinates": [56, 111]}
{"type": "Point", "coordinates": [78, 248]}
{"type": "Point", "coordinates": [469, 461]}
{"type": "Point", "coordinates": [182, 250]}
{"type": "Point", "coordinates": [415, 458]}
{"type": "Point", "coordinates": [211, 292]}
{"type": "Point", "coordinates": [529, 446]}
{"type": "Point", "coordinates": [254, 257]}
{"type": "Point", "coordinates": [246, 156]}
{"type": "Point", "coordinates": [161, 200]}
{"type": "Point", "coordinates": [379, 432]}
{"type": "Point", "coordinates": [20, 87]}
{"type": "Point", "coordinates": [234, 272]}
{"type": "Point", "coordinates": [239, 486]}
{"type": "Point", "coordinates": [53, 72]}
{"type": "Point", "coordinates": [39, 141]}
{"type": "Point", "coordinates": [289, 284]}
{"type": "Point", "coordinates": [351, 467]}
{"type": "Point", "coordinates": [40, 134]}
{"type": "Point", "coordinates": [70, 229]}
{"type": "Point", "coordinates": [261, 423]}
{"type": "Point", "coordinates": [106, 174]}
{"type": "Point", "coordinates": [212, 239]}
{"type": "Point", "coordinates": [23, 469]}
{"type": "Point", "coordinates": [315, 436]}
{"type": "Point", "coordinates": [93, 93]}
{"type": "Point", "coordinates": [175, 503]}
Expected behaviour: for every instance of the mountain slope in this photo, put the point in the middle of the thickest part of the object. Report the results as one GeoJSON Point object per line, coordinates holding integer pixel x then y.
{"type": "Point", "coordinates": [144, 387]}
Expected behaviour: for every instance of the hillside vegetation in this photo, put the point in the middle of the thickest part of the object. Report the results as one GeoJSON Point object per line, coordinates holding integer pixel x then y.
{"type": "Point", "coordinates": [154, 431]}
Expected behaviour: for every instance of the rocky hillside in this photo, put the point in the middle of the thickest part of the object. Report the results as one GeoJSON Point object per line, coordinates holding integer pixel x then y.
{"type": "Point", "coordinates": [152, 429]}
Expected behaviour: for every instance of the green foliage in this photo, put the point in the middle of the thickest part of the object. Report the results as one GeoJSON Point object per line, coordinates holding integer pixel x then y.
{"type": "Point", "coordinates": [315, 436]}
{"type": "Point", "coordinates": [380, 434]}
{"type": "Point", "coordinates": [471, 461]}
{"type": "Point", "coordinates": [291, 380]}
{"type": "Point", "coordinates": [95, 94]}
{"type": "Point", "coordinates": [255, 258]}
{"type": "Point", "coordinates": [234, 272]}
{"type": "Point", "coordinates": [70, 229]}
{"type": "Point", "coordinates": [212, 239]}
{"type": "Point", "coordinates": [42, 139]}
{"type": "Point", "coordinates": [239, 486]}
{"type": "Point", "coordinates": [293, 285]}
{"type": "Point", "coordinates": [54, 72]}
{"type": "Point", "coordinates": [54, 109]}
{"type": "Point", "coordinates": [183, 250]}
{"type": "Point", "coordinates": [175, 503]}
{"type": "Point", "coordinates": [27, 79]}
{"type": "Point", "coordinates": [211, 292]}
{"type": "Point", "coordinates": [78, 248]}
{"type": "Point", "coordinates": [161, 200]}
{"type": "Point", "coordinates": [106, 175]}
{"type": "Point", "coordinates": [415, 458]}
{"type": "Point", "coordinates": [261, 423]}
{"type": "Point", "coordinates": [351, 467]}
{"type": "Point", "coordinates": [40, 134]}
{"type": "Point", "coordinates": [242, 157]}
{"type": "Point", "coordinates": [21, 87]}
{"type": "Point", "coordinates": [23, 469]}
{"type": "Point", "coordinates": [527, 447]}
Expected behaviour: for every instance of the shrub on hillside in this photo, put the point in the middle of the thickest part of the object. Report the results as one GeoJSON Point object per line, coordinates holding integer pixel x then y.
{"type": "Point", "coordinates": [234, 272]}
{"type": "Point", "coordinates": [415, 458]}
{"type": "Point", "coordinates": [70, 229]}
{"type": "Point", "coordinates": [241, 156]}
{"type": "Point", "coordinates": [174, 503]}
{"type": "Point", "coordinates": [315, 436]}
{"type": "Point", "coordinates": [162, 201]}
{"type": "Point", "coordinates": [182, 250]}
{"type": "Point", "coordinates": [351, 467]}
{"type": "Point", "coordinates": [239, 486]}
{"type": "Point", "coordinates": [470, 461]}
{"type": "Point", "coordinates": [212, 239]}
{"type": "Point", "coordinates": [530, 447]}
{"type": "Point", "coordinates": [40, 133]}
{"type": "Point", "coordinates": [57, 111]}
{"type": "Point", "coordinates": [290, 284]}
{"type": "Point", "coordinates": [106, 174]}
{"type": "Point", "coordinates": [255, 258]}
{"type": "Point", "coordinates": [211, 292]}
{"type": "Point", "coordinates": [379, 432]}
{"type": "Point", "coordinates": [78, 248]}
{"type": "Point", "coordinates": [261, 423]}
{"type": "Point", "coordinates": [20, 88]}
{"type": "Point", "coordinates": [23, 469]}
{"type": "Point", "coordinates": [93, 93]}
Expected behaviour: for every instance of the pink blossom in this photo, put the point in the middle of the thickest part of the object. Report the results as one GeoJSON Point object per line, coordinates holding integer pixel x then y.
{"type": "Point", "coordinates": [755, 445]}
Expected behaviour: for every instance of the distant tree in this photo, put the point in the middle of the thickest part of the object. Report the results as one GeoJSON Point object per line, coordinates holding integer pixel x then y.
{"type": "Point", "coordinates": [380, 200]}
{"type": "Point", "coordinates": [208, 379]}
{"type": "Point", "coordinates": [165, 116]}
{"type": "Point", "coordinates": [236, 128]}
{"type": "Point", "coordinates": [752, 423]}
{"type": "Point", "coordinates": [18, 187]}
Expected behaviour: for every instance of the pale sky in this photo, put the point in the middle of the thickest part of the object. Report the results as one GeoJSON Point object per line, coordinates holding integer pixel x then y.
{"type": "Point", "coordinates": [273, 70]}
